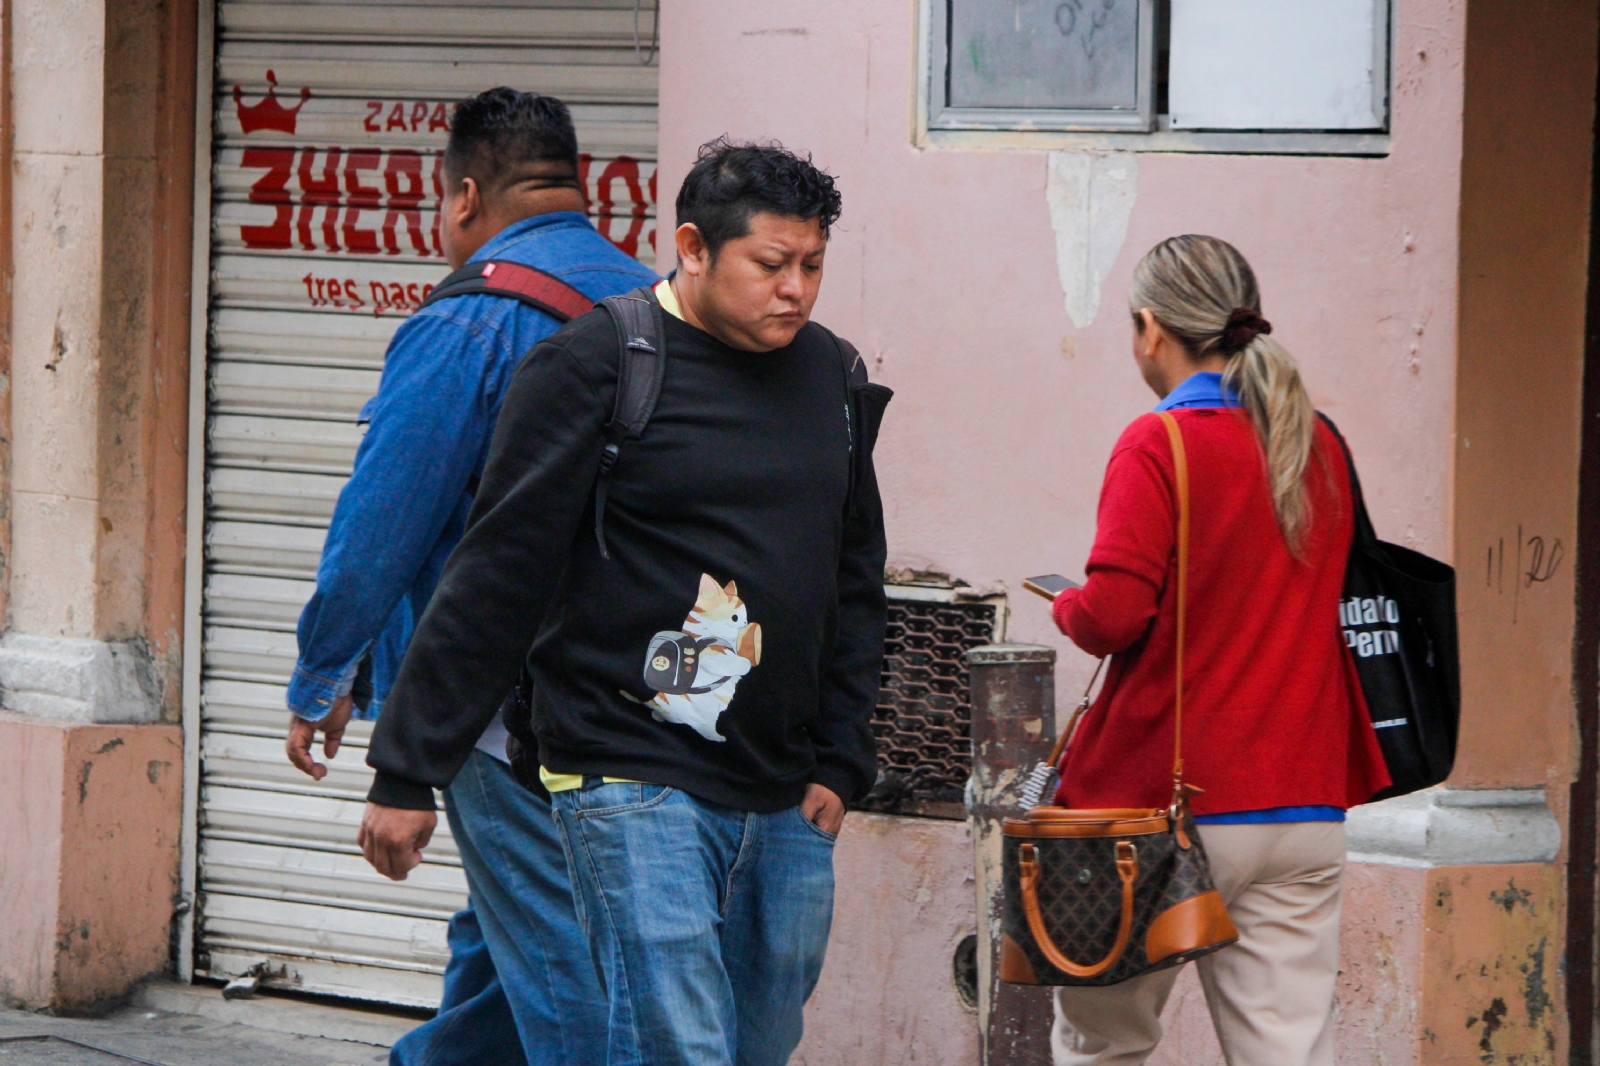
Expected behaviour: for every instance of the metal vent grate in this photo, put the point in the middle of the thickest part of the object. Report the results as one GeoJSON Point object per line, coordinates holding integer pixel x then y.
{"type": "Point", "coordinates": [923, 720]}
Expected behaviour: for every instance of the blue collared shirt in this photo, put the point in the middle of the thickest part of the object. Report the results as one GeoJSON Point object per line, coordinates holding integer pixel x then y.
{"type": "Point", "coordinates": [1204, 388]}
{"type": "Point", "coordinates": [428, 428]}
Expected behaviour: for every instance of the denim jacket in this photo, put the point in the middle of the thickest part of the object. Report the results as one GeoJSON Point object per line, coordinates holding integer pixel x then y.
{"type": "Point", "coordinates": [428, 430]}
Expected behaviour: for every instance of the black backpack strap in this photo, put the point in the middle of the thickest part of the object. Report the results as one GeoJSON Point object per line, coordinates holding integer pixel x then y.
{"type": "Point", "coordinates": [514, 281]}
{"type": "Point", "coordinates": [855, 368]}
{"type": "Point", "coordinates": [641, 368]}
{"type": "Point", "coordinates": [855, 376]}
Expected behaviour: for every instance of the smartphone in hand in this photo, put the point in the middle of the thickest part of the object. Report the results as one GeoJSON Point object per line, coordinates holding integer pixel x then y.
{"type": "Point", "coordinates": [1049, 585]}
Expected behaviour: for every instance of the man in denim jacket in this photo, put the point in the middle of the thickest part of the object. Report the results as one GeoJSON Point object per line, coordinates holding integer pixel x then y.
{"type": "Point", "coordinates": [518, 957]}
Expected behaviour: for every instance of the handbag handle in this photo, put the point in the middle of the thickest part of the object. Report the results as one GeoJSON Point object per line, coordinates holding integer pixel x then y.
{"type": "Point", "coordinates": [1180, 475]}
{"type": "Point", "coordinates": [1127, 871]}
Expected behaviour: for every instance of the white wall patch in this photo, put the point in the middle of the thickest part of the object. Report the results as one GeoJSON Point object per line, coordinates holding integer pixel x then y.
{"type": "Point", "coordinates": [1091, 197]}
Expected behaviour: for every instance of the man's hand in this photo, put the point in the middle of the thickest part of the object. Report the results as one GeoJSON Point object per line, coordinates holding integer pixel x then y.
{"type": "Point", "coordinates": [392, 838]}
{"type": "Point", "coordinates": [302, 734]}
{"type": "Point", "coordinates": [823, 808]}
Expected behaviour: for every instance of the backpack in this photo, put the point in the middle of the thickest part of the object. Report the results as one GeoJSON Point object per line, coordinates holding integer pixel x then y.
{"type": "Point", "coordinates": [639, 336]}
{"type": "Point", "coordinates": [672, 663]}
{"type": "Point", "coordinates": [641, 340]}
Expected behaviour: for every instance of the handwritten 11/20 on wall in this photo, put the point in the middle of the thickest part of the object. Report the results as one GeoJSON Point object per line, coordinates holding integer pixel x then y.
{"type": "Point", "coordinates": [1534, 560]}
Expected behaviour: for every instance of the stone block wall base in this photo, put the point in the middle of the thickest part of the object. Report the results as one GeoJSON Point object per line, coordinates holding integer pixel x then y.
{"type": "Point", "coordinates": [77, 680]}
{"type": "Point", "coordinates": [89, 850]}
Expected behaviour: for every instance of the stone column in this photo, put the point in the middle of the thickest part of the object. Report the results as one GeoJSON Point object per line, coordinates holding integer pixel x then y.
{"type": "Point", "coordinates": [101, 134]}
{"type": "Point", "coordinates": [1013, 730]}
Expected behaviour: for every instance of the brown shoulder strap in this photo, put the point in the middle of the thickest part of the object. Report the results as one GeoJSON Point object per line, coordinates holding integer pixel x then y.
{"type": "Point", "coordinates": [1180, 473]}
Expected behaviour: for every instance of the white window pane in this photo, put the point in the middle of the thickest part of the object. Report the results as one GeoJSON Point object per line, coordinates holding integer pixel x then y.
{"type": "Point", "coordinates": [1067, 54]}
{"type": "Point", "coordinates": [1276, 64]}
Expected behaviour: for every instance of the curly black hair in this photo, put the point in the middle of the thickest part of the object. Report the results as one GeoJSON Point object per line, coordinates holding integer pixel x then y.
{"type": "Point", "coordinates": [503, 136]}
{"type": "Point", "coordinates": [732, 180]}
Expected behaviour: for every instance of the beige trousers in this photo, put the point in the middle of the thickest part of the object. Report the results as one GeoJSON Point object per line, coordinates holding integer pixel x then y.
{"type": "Point", "coordinates": [1271, 994]}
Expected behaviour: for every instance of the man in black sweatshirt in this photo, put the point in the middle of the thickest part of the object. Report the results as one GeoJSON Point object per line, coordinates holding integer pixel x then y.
{"type": "Point", "coordinates": [703, 672]}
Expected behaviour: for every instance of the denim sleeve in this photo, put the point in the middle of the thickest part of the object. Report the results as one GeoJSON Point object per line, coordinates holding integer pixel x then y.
{"type": "Point", "coordinates": [430, 425]}
{"type": "Point", "coordinates": [472, 640]}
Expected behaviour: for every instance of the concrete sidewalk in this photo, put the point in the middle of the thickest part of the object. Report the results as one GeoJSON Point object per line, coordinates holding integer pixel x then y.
{"type": "Point", "coordinates": [182, 1025]}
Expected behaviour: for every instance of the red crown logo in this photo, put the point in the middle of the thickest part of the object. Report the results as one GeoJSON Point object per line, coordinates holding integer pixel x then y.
{"type": "Point", "coordinates": [268, 114]}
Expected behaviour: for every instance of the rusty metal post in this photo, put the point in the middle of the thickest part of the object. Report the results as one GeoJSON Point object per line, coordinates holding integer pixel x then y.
{"type": "Point", "coordinates": [1013, 729]}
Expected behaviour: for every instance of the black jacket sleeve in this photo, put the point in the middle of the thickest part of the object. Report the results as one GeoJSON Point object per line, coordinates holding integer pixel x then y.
{"type": "Point", "coordinates": [468, 648]}
{"type": "Point", "coordinates": [842, 735]}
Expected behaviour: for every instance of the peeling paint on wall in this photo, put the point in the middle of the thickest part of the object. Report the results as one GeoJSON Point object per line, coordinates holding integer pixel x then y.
{"type": "Point", "coordinates": [1091, 196]}
{"type": "Point", "coordinates": [1489, 961]}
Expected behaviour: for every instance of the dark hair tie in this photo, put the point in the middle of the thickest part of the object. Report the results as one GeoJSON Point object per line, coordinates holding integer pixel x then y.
{"type": "Point", "coordinates": [1242, 328]}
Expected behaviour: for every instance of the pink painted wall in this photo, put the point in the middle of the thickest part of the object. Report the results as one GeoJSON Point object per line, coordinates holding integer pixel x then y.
{"type": "Point", "coordinates": [30, 859]}
{"type": "Point", "coordinates": [904, 900]}
{"type": "Point", "coordinates": [943, 271]}
{"type": "Point", "coordinates": [88, 859]}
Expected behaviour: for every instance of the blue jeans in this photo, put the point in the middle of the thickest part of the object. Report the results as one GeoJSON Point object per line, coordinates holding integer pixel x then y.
{"type": "Point", "coordinates": [474, 1026]}
{"type": "Point", "coordinates": [709, 923]}
{"type": "Point", "coordinates": [522, 898]}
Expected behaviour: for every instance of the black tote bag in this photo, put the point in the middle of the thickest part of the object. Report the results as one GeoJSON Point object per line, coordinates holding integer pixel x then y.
{"type": "Point", "coordinates": [1398, 617]}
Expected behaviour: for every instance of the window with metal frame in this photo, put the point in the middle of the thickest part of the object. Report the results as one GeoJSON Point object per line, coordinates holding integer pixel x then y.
{"type": "Point", "coordinates": [1306, 76]}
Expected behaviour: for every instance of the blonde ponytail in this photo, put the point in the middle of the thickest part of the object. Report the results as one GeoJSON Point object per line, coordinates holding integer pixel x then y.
{"type": "Point", "coordinates": [1268, 383]}
{"type": "Point", "coordinates": [1200, 289]}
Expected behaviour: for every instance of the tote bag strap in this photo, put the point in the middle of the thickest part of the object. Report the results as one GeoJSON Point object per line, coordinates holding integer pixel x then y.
{"type": "Point", "coordinates": [1180, 476]}
{"type": "Point", "coordinates": [1365, 535]}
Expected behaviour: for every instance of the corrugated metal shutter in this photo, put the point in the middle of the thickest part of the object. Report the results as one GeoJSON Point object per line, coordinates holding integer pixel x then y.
{"type": "Point", "coordinates": [329, 123]}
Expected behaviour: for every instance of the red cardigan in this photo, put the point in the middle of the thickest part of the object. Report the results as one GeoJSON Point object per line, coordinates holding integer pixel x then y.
{"type": "Point", "coordinates": [1273, 711]}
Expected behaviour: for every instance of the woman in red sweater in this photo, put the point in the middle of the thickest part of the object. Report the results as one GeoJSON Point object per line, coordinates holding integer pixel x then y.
{"type": "Point", "coordinates": [1275, 728]}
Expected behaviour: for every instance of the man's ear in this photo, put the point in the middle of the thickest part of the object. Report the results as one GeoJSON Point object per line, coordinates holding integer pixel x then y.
{"type": "Point", "coordinates": [469, 202]}
{"type": "Point", "coordinates": [693, 256]}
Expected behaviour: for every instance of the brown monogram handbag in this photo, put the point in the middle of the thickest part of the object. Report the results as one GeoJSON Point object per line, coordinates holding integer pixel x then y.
{"type": "Point", "coordinates": [1095, 897]}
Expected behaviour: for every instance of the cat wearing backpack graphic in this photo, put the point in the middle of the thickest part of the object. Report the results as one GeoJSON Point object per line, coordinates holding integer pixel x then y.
{"type": "Point", "coordinates": [695, 670]}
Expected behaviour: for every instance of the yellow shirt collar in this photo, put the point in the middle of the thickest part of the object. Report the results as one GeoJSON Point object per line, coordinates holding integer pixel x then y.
{"type": "Point", "coordinates": [668, 299]}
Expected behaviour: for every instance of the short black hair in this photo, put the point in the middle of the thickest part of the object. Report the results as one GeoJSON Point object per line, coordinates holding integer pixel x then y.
{"type": "Point", "coordinates": [501, 137]}
{"type": "Point", "coordinates": [731, 181]}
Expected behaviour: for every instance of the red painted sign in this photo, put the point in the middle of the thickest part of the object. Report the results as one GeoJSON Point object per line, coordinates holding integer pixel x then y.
{"type": "Point", "coordinates": [351, 294]}
{"type": "Point", "coordinates": [376, 201]}
{"type": "Point", "coordinates": [634, 206]}
{"type": "Point", "coordinates": [367, 199]}
{"type": "Point", "coordinates": [363, 202]}
{"type": "Point", "coordinates": [406, 115]}
{"type": "Point", "coordinates": [268, 114]}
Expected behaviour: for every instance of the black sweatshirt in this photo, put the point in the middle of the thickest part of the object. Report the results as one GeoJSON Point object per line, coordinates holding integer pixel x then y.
{"type": "Point", "coordinates": [744, 569]}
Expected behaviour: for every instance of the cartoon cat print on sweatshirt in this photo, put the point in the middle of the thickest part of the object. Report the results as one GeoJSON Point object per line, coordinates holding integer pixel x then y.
{"type": "Point", "coordinates": [696, 670]}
